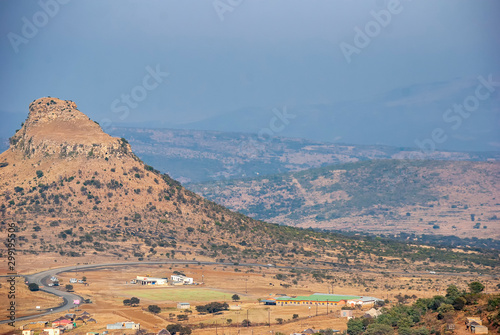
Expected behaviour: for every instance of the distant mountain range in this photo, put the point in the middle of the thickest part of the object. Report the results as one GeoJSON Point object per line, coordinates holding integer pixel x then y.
{"type": "Point", "coordinates": [193, 156]}
{"type": "Point", "coordinates": [402, 117]}
{"type": "Point", "coordinates": [380, 197]}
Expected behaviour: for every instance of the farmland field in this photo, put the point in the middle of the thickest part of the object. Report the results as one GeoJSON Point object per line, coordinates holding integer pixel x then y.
{"type": "Point", "coordinates": [179, 294]}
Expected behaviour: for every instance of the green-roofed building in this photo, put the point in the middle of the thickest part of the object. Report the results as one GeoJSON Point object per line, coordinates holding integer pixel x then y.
{"type": "Point", "coordinates": [326, 299]}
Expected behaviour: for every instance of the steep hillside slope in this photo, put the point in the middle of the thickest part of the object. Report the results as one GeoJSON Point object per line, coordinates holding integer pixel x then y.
{"type": "Point", "coordinates": [69, 189]}
{"type": "Point", "coordinates": [75, 190]}
{"type": "Point", "coordinates": [431, 197]}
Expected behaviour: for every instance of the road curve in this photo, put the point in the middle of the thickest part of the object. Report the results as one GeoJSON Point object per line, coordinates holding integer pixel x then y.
{"type": "Point", "coordinates": [43, 278]}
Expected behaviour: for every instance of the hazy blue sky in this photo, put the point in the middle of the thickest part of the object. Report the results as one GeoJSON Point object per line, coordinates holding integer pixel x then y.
{"type": "Point", "coordinates": [262, 53]}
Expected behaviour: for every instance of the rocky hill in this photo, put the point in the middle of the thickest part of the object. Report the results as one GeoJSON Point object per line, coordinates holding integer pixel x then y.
{"type": "Point", "coordinates": [76, 190]}
{"type": "Point", "coordinates": [382, 197]}
{"type": "Point", "coordinates": [69, 189]}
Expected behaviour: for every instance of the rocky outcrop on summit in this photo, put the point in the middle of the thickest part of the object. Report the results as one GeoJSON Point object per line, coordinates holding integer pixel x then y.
{"type": "Point", "coordinates": [56, 128]}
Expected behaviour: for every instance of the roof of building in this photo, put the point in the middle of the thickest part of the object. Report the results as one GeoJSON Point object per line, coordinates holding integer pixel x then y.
{"type": "Point", "coordinates": [367, 299]}
{"type": "Point", "coordinates": [373, 313]}
{"type": "Point", "coordinates": [150, 278]}
{"type": "Point", "coordinates": [319, 297]}
{"type": "Point", "coordinates": [268, 300]}
{"type": "Point", "coordinates": [63, 321]}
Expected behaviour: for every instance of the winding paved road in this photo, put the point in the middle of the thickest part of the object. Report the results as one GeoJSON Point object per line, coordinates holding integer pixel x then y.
{"type": "Point", "coordinates": [43, 279]}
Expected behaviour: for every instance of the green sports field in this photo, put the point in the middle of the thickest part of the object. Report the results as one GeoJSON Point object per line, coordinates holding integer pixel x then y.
{"type": "Point", "coordinates": [179, 294]}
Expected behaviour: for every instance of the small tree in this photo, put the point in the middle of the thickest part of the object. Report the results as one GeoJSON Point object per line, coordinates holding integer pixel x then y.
{"type": "Point", "coordinates": [39, 173]}
{"type": "Point", "coordinates": [279, 321]}
{"type": "Point", "coordinates": [295, 316]}
{"type": "Point", "coordinates": [229, 321]}
{"type": "Point", "coordinates": [154, 309]}
{"type": "Point", "coordinates": [84, 278]}
{"type": "Point", "coordinates": [135, 301]}
{"type": "Point", "coordinates": [69, 287]}
{"type": "Point", "coordinates": [179, 329]}
{"type": "Point", "coordinates": [476, 287]}
{"type": "Point", "coordinates": [126, 302]}
{"type": "Point", "coordinates": [246, 323]}
{"type": "Point", "coordinates": [235, 297]}
{"type": "Point", "coordinates": [182, 317]}
{"type": "Point", "coordinates": [33, 287]}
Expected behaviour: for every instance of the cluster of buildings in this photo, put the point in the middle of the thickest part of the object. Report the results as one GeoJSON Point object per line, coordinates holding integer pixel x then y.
{"type": "Point", "coordinates": [324, 300]}
{"type": "Point", "coordinates": [174, 280]}
{"type": "Point", "coordinates": [58, 326]}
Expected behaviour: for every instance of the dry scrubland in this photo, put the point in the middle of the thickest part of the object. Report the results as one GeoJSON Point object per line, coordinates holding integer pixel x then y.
{"type": "Point", "coordinates": [78, 195]}
{"type": "Point", "coordinates": [381, 197]}
{"type": "Point", "coordinates": [109, 287]}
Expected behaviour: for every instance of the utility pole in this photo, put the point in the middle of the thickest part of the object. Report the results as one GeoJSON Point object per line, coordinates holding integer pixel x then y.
{"type": "Point", "coordinates": [246, 285]}
{"type": "Point", "coordinates": [248, 321]}
{"type": "Point", "coordinates": [269, 316]}
{"type": "Point", "coordinates": [316, 308]}
{"type": "Point", "coordinates": [238, 321]}
{"type": "Point", "coordinates": [326, 306]}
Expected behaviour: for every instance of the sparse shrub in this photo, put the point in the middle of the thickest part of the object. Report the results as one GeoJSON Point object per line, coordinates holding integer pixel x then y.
{"type": "Point", "coordinates": [154, 309]}
{"type": "Point", "coordinates": [179, 329]}
{"type": "Point", "coordinates": [33, 287]}
{"type": "Point", "coordinates": [212, 307]}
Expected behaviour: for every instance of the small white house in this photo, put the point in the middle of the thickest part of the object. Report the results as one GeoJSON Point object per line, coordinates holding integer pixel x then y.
{"type": "Point", "coordinates": [363, 301]}
{"type": "Point", "coordinates": [183, 305]}
{"type": "Point", "coordinates": [151, 281]}
{"type": "Point", "coordinates": [181, 279]}
{"type": "Point", "coordinates": [124, 325]}
{"type": "Point", "coordinates": [52, 331]}
{"type": "Point", "coordinates": [346, 313]}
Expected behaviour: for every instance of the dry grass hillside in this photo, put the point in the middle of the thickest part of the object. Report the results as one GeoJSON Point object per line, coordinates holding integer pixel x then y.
{"type": "Point", "coordinates": [72, 190]}
{"type": "Point", "coordinates": [382, 197]}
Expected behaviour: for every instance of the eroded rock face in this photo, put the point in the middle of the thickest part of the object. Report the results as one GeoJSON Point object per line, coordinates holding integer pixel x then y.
{"type": "Point", "coordinates": [56, 128]}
